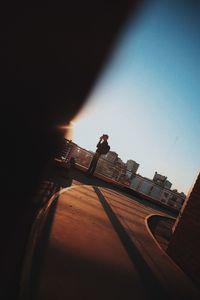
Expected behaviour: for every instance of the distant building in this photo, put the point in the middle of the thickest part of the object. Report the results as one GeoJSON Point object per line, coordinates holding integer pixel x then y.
{"type": "Point", "coordinates": [111, 156]}
{"type": "Point", "coordinates": [158, 178]}
{"type": "Point", "coordinates": [82, 156]}
{"type": "Point", "coordinates": [105, 168]}
{"type": "Point", "coordinates": [162, 180]}
{"type": "Point", "coordinates": [119, 160]}
{"type": "Point", "coordinates": [157, 191]}
{"type": "Point", "coordinates": [120, 170]}
{"type": "Point", "coordinates": [168, 184]}
{"type": "Point", "coordinates": [132, 166]}
{"type": "Point", "coordinates": [172, 198]}
{"type": "Point", "coordinates": [129, 174]}
{"type": "Point", "coordinates": [112, 166]}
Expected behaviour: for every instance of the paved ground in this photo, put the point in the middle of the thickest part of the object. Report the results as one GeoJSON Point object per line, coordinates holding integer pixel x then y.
{"type": "Point", "coordinates": [94, 244]}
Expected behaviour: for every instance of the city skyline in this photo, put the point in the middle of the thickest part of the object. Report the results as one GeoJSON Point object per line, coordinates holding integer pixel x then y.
{"type": "Point", "coordinates": [146, 98]}
{"type": "Point", "coordinates": [137, 163]}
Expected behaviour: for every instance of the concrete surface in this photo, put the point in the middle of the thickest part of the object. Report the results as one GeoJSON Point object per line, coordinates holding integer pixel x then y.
{"type": "Point", "coordinates": [95, 244]}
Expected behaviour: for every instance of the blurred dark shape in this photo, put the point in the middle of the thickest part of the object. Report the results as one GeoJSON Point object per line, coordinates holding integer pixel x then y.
{"type": "Point", "coordinates": [51, 55]}
{"type": "Point", "coordinates": [185, 243]}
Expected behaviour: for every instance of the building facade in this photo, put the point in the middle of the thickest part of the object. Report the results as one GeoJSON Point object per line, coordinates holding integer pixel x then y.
{"type": "Point", "coordinates": [111, 156]}
{"type": "Point", "coordinates": [132, 166]}
{"type": "Point", "coordinates": [162, 180]}
{"type": "Point", "coordinates": [158, 192]}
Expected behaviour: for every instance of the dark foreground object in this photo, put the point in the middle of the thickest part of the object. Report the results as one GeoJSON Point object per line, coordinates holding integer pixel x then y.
{"type": "Point", "coordinates": [51, 55]}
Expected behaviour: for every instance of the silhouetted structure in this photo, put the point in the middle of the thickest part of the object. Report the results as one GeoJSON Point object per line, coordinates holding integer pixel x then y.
{"type": "Point", "coordinates": [132, 166]}
{"type": "Point", "coordinates": [185, 244]}
{"type": "Point", "coordinates": [162, 180]}
{"type": "Point", "coordinates": [157, 191]}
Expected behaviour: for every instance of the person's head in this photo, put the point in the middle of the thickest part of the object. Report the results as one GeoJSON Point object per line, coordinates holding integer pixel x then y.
{"type": "Point", "coordinates": [105, 137]}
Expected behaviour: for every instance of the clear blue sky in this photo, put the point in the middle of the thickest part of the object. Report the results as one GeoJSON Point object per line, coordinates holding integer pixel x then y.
{"type": "Point", "coordinates": [147, 98]}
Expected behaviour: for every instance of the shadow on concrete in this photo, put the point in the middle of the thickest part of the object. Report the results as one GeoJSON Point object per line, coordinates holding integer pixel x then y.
{"type": "Point", "coordinates": [151, 284]}
{"type": "Point", "coordinates": [81, 176]}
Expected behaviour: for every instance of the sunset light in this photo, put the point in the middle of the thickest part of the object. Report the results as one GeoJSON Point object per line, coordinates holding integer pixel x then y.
{"type": "Point", "coordinates": [146, 98]}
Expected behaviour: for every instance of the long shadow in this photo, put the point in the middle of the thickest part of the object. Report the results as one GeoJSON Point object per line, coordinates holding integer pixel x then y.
{"type": "Point", "coordinates": [88, 180]}
{"type": "Point", "coordinates": [124, 203]}
{"type": "Point", "coordinates": [154, 288]}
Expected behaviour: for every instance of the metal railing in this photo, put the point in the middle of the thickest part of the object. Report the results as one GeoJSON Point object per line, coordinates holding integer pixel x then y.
{"type": "Point", "coordinates": [105, 168]}
{"type": "Point", "coordinates": [109, 171]}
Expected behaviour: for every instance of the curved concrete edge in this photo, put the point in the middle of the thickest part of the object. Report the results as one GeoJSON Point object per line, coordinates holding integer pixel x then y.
{"type": "Point", "coordinates": [36, 228]}
{"type": "Point", "coordinates": [147, 220]}
{"type": "Point", "coordinates": [183, 286]}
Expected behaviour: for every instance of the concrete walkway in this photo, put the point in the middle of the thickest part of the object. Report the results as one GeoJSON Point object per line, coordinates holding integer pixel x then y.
{"type": "Point", "coordinates": [95, 244]}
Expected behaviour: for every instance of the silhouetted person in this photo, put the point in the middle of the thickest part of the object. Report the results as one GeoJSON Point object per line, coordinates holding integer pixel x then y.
{"type": "Point", "coordinates": [102, 148]}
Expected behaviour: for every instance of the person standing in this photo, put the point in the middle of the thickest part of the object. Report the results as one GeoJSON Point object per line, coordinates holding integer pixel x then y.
{"type": "Point", "coordinates": [102, 148]}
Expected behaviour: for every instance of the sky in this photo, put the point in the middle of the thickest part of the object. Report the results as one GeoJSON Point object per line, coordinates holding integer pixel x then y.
{"type": "Point", "coordinates": [146, 98]}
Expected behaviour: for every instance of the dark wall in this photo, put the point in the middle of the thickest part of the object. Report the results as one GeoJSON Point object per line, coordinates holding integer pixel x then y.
{"type": "Point", "coordinates": [185, 244]}
{"type": "Point", "coordinates": [51, 56]}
